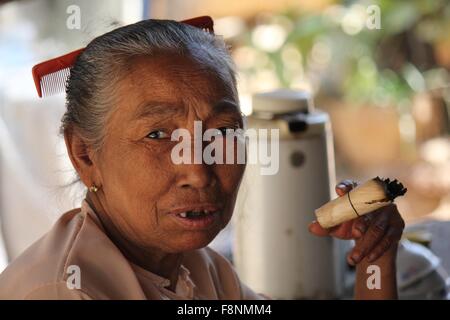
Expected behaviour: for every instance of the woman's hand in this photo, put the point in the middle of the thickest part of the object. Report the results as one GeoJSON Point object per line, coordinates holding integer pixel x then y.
{"type": "Point", "coordinates": [376, 233]}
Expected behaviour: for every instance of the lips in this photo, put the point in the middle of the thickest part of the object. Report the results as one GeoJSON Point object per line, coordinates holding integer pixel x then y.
{"type": "Point", "coordinates": [199, 216]}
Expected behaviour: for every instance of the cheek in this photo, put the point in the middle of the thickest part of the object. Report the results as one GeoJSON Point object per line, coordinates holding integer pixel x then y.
{"type": "Point", "coordinates": [137, 175]}
{"type": "Point", "coordinates": [230, 176]}
{"type": "Point", "coordinates": [135, 179]}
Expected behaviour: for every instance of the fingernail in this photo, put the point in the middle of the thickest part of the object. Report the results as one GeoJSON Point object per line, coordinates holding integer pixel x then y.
{"type": "Point", "coordinates": [341, 185]}
{"type": "Point", "coordinates": [371, 258]}
{"type": "Point", "coordinates": [355, 257]}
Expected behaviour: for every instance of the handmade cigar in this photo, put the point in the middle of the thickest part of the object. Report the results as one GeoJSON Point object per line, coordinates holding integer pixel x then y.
{"type": "Point", "coordinates": [371, 195]}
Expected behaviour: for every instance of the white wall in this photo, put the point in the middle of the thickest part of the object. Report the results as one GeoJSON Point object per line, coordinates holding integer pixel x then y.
{"type": "Point", "coordinates": [34, 166]}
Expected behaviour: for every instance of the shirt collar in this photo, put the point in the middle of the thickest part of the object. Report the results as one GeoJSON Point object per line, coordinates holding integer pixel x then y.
{"type": "Point", "coordinates": [185, 286]}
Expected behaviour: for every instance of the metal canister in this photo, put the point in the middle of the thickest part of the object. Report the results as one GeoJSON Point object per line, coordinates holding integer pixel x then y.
{"type": "Point", "coordinates": [274, 252]}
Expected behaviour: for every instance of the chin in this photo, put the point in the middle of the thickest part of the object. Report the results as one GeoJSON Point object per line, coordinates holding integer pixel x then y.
{"type": "Point", "coordinates": [192, 241]}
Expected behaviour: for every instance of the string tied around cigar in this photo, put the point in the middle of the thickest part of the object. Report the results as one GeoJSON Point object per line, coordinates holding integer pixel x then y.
{"type": "Point", "coordinates": [351, 203]}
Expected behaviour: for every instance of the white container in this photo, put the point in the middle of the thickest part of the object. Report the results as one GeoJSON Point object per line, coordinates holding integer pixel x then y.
{"type": "Point", "coordinates": [273, 251]}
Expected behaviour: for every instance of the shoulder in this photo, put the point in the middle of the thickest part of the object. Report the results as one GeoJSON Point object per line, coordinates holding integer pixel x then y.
{"type": "Point", "coordinates": [76, 246]}
{"type": "Point", "coordinates": [43, 262]}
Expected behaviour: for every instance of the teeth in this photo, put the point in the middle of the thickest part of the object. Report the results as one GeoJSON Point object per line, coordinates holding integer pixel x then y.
{"type": "Point", "coordinates": [190, 214]}
{"type": "Point", "coordinates": [196, 213]}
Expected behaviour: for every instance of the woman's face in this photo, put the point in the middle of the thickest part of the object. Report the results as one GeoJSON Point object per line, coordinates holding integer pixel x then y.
{"type": "Point", "coordinates": [142, 190]}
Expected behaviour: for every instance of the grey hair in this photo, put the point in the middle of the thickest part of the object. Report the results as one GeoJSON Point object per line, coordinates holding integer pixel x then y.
{"type": "Point", "coordinates": [90, 87]}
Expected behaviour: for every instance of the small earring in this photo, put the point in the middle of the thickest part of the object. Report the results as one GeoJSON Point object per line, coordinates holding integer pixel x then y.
{"type": "Point", "coordinates": [93, 188]}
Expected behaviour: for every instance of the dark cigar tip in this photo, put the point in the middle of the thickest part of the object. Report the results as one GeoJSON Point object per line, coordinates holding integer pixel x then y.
{"type": "Point", "coordinates": [392, 188]}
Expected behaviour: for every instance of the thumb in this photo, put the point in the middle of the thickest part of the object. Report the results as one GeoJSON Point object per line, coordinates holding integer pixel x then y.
{"type": "Point", "coordinates": [345, 186]}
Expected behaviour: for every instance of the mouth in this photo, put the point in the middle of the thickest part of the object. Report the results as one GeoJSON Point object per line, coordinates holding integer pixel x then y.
{"type": "Point", "coordinates": [199, 217]}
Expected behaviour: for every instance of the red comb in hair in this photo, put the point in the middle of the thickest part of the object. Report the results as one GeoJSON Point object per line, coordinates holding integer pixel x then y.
{"type": "Point", "coordinates": [204, 22]}
{"type": "Point", "coordinates": [50, 76]}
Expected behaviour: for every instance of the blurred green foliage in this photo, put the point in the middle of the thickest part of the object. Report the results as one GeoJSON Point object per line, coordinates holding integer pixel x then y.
{"type": "Point", "coordinates": [382, 67]}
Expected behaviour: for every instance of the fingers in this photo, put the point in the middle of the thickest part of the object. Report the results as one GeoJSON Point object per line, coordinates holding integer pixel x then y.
{"type": "Point", "coordinates": [372, 237]}
{"type": "Point", "coordinates": [392, 237]}
{"type": "Point", "coordinates": [360, 226]}
{"type": "Point", "coordinates": [315, 228]}
{"type": "Point", "coordinates": [376, 232]}
{"type": "Point", "coordinates": [345, 186]}
{"type": "Point", "coordinates": [343, 231]}
{"type": "Point", "coordinates": [353, 229]}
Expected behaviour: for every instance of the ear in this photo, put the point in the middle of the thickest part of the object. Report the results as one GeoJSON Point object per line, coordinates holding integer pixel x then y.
{"type": "Point", "coordinates": [81, 156]}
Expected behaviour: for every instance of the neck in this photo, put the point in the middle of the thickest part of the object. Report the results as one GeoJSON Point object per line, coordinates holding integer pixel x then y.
{"type": "Point", "coordinates": [152, 259]}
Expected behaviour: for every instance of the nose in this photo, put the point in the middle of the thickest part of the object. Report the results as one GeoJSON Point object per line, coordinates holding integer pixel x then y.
{"type": "Point", "coordinates": [196, 173]}
{"type": "Point", "coordinates": [197, 176]}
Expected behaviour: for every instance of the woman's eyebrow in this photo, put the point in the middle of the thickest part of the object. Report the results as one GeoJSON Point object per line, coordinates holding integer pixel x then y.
{"type": "Point", "coordinates": [157, 108]}
{"type": "Point", "coordinates": [226, 106]}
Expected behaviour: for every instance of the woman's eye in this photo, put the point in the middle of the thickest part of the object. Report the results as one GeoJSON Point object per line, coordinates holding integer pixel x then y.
{"type": "Point", "coordinates": [158, 134]}
{"type": "Point", "coordinates": [227, 130]}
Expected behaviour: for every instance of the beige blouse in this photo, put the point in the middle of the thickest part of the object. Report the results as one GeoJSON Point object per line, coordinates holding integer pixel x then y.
{"type": "Point", "coordinates": [76, 260]}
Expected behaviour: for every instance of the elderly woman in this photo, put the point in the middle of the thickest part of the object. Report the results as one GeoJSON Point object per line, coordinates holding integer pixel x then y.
{"type": "Point", "coordinates": [143, 228]}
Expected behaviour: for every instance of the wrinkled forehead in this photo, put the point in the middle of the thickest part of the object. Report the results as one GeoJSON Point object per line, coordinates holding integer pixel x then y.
{"type": "Point", "coordinates": [173, 79]}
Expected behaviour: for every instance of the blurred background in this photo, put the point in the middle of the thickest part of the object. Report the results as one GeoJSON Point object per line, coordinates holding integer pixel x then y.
{"type": "Point", "coordinates": [380, 69]}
